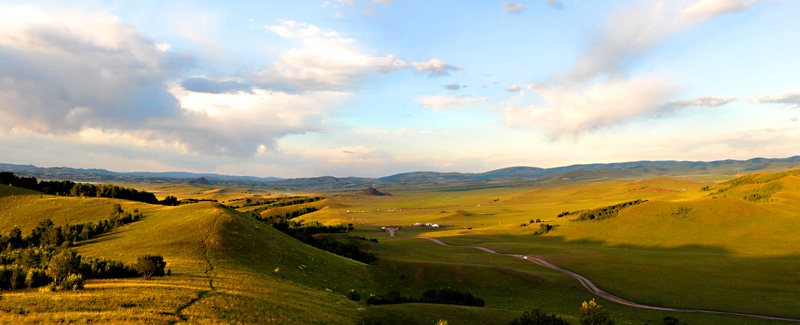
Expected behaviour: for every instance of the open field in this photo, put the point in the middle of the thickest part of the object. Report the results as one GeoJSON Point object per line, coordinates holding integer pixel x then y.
{"type": "Point", "coordinates": [691, 244]}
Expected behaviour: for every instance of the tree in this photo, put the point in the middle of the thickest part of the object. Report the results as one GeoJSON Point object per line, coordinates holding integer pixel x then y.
{"type": "Point", "coordinates": [594, 314]}
{"type": "Point", "coordinates": [15, 237]}
{"type": "Point", "coordinates": [150, 265]}
{"type": "Point", "coordinates": [354, 295]}
{"type": "Point", "coordinates": [537, 317]}
{"type": "Point", "coordinates": [63, 264]}
{"type": "Point", "coordinates": [170, 200]}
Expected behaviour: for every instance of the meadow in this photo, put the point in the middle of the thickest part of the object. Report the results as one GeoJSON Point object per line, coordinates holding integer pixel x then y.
{"type": "Point", "coordinates": [694, 243]}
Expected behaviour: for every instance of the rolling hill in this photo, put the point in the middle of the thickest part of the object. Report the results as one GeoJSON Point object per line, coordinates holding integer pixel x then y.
{"type": "Point", "coordinates": [549, 177]}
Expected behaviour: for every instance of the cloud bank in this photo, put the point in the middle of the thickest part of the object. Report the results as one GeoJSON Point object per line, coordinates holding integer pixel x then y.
{"type": "Point", "coordinates": [598, 90]}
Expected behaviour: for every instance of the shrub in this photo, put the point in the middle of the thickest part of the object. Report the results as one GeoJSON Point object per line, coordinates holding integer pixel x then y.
{"type": "Point", "coordinates": [150, 265]}
{"type": "Point", "coordinates": [36, 278]}
{"type": "Point", "coordinates": [594, 314]}
{"type": "Point", "coordinates": [354, 295]}
{"type": "Point", "coordinates": [48, 288]}
{"type": "Point", "coordinates": [537, 317]}
{"type": "Point", "coordinates": [73, 282]}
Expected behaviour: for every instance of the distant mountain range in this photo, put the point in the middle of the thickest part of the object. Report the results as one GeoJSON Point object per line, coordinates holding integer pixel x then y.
{"type": "Point", "coordinates": [537, 176]}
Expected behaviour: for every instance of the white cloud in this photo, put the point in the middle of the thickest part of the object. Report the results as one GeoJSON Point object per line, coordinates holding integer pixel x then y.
{"type": "Point", "coordinates": [89, 76]}
{"type": "Point", "coordinates": [709, 101]}
{"type": "Point", "coordinates": [441, 102]}
{"type": "Point", "coordinates": [790, 98]}
{"type": "Point", "coordinates": [708, 9]}
{"type": "Point", "coordinates": [574, 111]}
{"type": "Point", "coordinates": [597, 90]}
{"type": "Point", "coordinates": [435, 68]}
{"type": "Point", "coordinates": [385, 2]}
{"type": "Point", "coordinates": [512, 7]}
{"type": "Point", "coordinates": [630, 33]}
{"type": "Point", "coordinates": [239, 123]}
{"type": "Point", "coordinates": [326, 60]}
{"type": "Point", "coordinates": [513, 88]}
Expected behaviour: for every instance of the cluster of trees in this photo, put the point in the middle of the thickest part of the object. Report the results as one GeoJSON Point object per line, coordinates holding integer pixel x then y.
{"type": "Point", "coordinates": [681, 212]}
{"type": "Point", "coordinates": [591, 314]}
{"type": "Point", "coordinates": [432, 296]}
{"type": "Point", "coordinates": [42, 258]}
{"type": "Point", "coordinates": [568, 213]}
{"type": "Point", "coordinates": [280, 202]}
{"type": "Point", "coordinates": [606, 212]}
{"type": "Point", "coordinates": [348, 250]}
{"type": "Point", "coordinates": [52, 266]}
{"type": "Point", "coordinates": [543, 229]}
{"type": "Point", "coordinates": [70, 188]}
{"type": "Point", "coordinates": [310, 233]}
{"type": "Point", "coordinates": [46, 233]}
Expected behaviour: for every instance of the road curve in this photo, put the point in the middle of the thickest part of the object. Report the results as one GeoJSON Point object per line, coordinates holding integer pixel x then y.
{"type": "Point", "coordinates": [607, 296]}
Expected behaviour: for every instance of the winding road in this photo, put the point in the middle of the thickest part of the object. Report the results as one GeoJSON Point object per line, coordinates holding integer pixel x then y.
{"type": "Point", "coordinates": [607, 296]}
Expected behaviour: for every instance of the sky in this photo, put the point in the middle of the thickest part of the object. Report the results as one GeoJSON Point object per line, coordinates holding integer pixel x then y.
{"type": "Point", "coordinates": [377, 87]}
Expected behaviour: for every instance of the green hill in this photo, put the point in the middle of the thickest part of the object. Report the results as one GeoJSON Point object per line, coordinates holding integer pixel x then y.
{"type": "Point", "coordinates": [222, 264]}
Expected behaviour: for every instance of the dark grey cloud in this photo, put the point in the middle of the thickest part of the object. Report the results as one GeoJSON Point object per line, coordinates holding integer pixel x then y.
{"type": "Point", "coordinates": [555, 3]}
{"type": "Point", "coordinates": [203, 85]}
{"type": "Point", "coordinates": [56, 79]}
{"type": "Point", "coordinates": [790, 99]}
{"type": "Point", "coordinates": [707, 101]}
{"type": "Point", "coordinates": [453, 87]}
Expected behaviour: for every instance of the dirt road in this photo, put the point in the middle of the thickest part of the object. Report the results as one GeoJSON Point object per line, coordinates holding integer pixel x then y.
{"type": "Point", "coordinates": [607, 296]}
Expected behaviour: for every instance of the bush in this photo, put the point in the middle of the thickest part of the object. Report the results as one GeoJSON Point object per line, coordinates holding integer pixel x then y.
{"type": "Point", "coordinates": [594, 314]}
{"type": "Point", "coordinates": [537, 317]}
{"type": "Point", "coordinates": [36, 278]}
{"type": "Point", "coordinates": [354, 295]}
{"type": "Point", "coordinates": [73, 282]}
{"type": "Point", "coordinates": [150, 265]}
{"type": "Point", "coordinates": [48, 288]}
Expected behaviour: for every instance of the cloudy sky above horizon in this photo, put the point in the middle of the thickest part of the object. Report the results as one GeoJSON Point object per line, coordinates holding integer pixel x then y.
{"type": "Point", "coordinates": [377, 87]}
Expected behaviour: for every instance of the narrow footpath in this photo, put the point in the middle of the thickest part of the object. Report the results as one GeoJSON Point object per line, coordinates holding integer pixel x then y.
{"type": "Point", "coordinates": [607, 296]}
{"type": "Point", "coordinates": [202, 293]}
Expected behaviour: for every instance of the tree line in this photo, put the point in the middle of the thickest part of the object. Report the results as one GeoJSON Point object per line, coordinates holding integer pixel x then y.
{"type": "Point", "coordinates": [47, 234]}
{"type": "Point", "coordinates": [279, 202]}
{"type": "Point", "coordinates": [310, 233]}
{"type": "Point", "coordinates": [70, 188]}
{"type": "Point", "coordinates": [601, 213]}
{"type": "Point", "coordinates": [432, 296]}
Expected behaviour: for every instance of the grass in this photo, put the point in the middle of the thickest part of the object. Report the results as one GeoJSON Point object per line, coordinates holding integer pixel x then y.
{"type": "Point", "coordinates": [685, 247]}
{"type": "Point", "coordinates": [222, 271]}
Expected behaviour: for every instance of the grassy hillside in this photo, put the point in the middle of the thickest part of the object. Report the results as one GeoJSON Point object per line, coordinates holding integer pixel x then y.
{"type": "Point", "coordinates": [222, 268]}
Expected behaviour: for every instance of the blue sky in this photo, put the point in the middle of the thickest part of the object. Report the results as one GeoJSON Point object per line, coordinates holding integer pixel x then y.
{"type": "Point", "coordinates": [376, 87]}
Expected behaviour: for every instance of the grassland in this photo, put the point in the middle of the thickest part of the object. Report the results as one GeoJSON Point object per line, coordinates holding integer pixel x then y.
{"type": "Point", "coordinates": [683, 248]}
{"type": "Point", "coordinates": [696, 244]}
